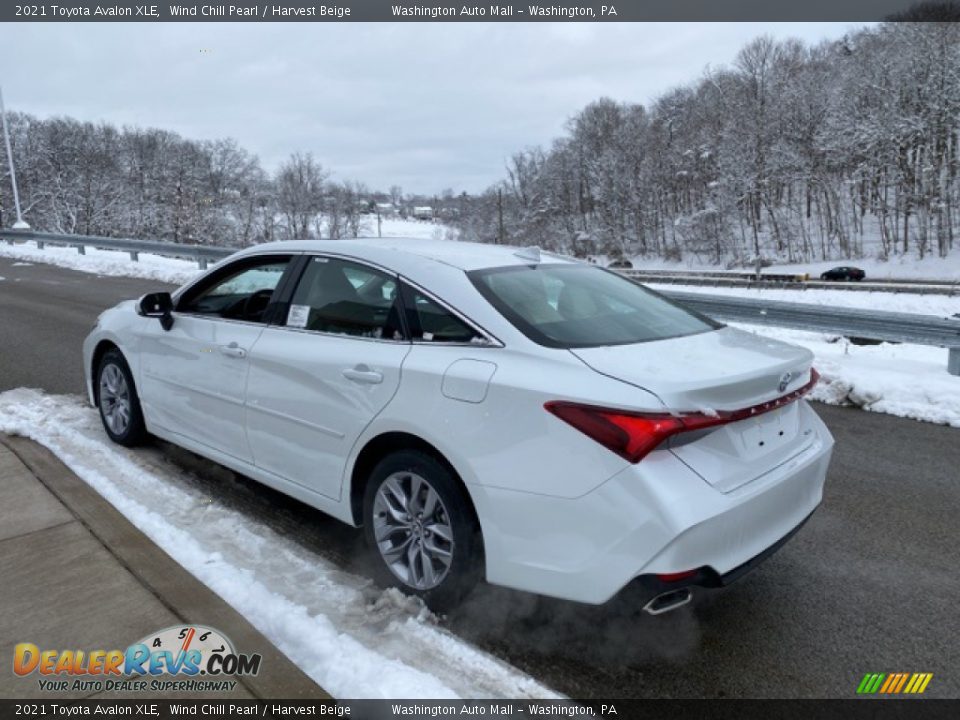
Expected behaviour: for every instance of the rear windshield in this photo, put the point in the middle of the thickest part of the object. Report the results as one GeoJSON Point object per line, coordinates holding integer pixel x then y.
{"type": "Point", "coordinates": [576, 306]}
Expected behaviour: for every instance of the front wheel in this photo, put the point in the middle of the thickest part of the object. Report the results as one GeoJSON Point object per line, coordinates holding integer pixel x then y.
{"type": "Point", "coordinates": [119, 405]}
{"type": "Point", "coordinates": [421, 527]}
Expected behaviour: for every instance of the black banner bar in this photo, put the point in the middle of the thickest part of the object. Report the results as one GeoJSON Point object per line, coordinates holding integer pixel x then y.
{"type": "Point", "coordinates": [472, 11]}
{"type": "Point", "coordinates": [874, 708]}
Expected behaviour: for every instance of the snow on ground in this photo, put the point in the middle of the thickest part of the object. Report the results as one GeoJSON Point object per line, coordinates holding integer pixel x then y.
{"type": "Point", "coordinates": [905, 267]}
{"type": "Point", "coordinates": [105, 262]}
{"type": "Point", "coordinates": [939, 305]}
{"type": "Point", "coordinates": [398, 227]}
{"type": "Point", "coordinates": [909, 381]}
{"type": "Point", "coordinates": [353, 639]}
{"type": "Point", "coordinates": [177, 271]}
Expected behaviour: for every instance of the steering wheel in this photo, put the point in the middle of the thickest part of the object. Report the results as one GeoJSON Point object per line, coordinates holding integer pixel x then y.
{"type": "Point", "coordinates": [250, 309]}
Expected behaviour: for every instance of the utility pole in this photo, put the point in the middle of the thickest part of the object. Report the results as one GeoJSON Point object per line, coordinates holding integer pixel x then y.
{"type": "Point", "coordinates": [500, 233]}
{"type": "Point", "coordinates": [20, 224]}
{"type": "Point", "coordinates": [377, 207]}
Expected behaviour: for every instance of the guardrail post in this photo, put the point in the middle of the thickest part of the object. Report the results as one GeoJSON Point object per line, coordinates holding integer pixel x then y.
{"type": "Point", "coordinates": [202, 263]}
{"type": "Point", "coordinates": [81, 249]}
{"type": "Point", "coordinates": [40, 244]}
{"type": "Point", "coordinates": [134, 255]}
{"type": "Point", "coordinates": [953, 361]}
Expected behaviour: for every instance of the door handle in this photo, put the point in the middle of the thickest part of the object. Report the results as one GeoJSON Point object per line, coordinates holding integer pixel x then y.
{"type": "Point", "coordinates": [233, 350]}
{"type": "Point", "coordinates": [363, 374]}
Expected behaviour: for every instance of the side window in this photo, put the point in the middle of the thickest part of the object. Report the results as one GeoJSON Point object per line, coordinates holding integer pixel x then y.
{"type": "Point", "coordinates": [240, 291]}
{"type": "Point", "coordinates": [429, 321]}
{"type": "Point", "coordinates": [346, 298]}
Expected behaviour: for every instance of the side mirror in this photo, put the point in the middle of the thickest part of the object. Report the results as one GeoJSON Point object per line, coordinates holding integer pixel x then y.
{"type": "Point", "coordinates": [157, 305]}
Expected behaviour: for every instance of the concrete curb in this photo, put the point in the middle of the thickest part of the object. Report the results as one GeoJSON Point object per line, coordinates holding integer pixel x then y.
{"type": "Point", "coordinates": [186, 597]}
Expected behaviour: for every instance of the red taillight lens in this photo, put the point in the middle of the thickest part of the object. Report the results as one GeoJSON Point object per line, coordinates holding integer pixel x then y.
{"type": "Point", "coordinates": [633, 435]}
{"type": "Point", "coordinates": [629, 435]}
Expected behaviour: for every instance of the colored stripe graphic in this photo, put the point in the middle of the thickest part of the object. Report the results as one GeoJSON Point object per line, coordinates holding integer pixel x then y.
{"type": "Point", "coordinates": [894, 683]}
{"type": "Point", "coordinates": [870, 683]}
{"type": "Point", "coordinates": [903, 680]}
{"type": "Point", "coordinates": [892, 679]}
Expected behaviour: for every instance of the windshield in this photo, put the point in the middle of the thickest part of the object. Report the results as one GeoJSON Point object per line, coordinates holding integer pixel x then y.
{"type": "Point", "coordinates": [575, 306]}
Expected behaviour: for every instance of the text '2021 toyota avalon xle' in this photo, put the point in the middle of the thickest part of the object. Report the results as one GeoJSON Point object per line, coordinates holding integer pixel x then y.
{"type": "Point", "coordinates": [480, 411]}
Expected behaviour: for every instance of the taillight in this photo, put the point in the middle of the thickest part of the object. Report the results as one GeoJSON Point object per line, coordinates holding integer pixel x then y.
{"type": "Point", "coordinates": [632, 435]}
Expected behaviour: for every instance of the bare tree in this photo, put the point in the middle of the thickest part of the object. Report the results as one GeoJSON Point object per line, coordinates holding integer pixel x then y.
{"type": "Point", "coordinates": [300, 193]}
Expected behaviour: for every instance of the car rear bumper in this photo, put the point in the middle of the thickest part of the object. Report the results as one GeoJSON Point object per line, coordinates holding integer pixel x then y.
{"type": "Point", "coordinates": [656, 517]}
{"type": "Point", "coordinates": [650, 586]}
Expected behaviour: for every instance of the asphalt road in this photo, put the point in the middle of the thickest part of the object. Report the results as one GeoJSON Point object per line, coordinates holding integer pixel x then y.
{"type": "Point", "coordinates": [870, 584]}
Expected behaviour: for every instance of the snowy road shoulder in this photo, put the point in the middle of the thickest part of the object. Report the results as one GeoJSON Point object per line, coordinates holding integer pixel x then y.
{"type": "Point", "coordinates": [103, 262]}
{"type": "Point", "coordinates": [351, 638]}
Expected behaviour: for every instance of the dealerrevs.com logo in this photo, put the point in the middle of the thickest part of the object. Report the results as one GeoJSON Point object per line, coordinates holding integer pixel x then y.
{"type": "Point", "coordinates": [179, 658]}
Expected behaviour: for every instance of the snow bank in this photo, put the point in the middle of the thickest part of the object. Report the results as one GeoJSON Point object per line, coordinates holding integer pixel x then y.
{"type": "Point", "coordinates": [939, 305]}
{"type": "Point", "coordinates": [909, 381]}
{"type": "Point", "coordinates": [106, 262]}
{"type": "Point", "coordinates": [351, 638]}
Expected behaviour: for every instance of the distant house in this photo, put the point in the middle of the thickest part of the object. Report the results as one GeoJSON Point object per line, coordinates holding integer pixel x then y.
{"type": "Point", "coordinates": [386, 209]}
{"type": "Point", "coordinates": [423, 212]}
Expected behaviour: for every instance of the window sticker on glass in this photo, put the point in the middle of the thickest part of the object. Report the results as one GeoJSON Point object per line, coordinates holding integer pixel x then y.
{"type": "Point", "coordinates": [298, 315]}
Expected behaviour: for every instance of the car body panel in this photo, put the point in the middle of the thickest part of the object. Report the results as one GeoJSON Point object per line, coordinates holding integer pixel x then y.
{"type": "Point", "coordinates": [302, 414]}
{"type": "Point", "coordinates": [193, 379]}
{"type": "Point", "coordinates": [725, 369]}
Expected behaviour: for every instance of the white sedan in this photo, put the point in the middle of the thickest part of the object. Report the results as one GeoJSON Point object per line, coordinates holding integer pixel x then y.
{"type": "Point", "coordinates": [480, 411]}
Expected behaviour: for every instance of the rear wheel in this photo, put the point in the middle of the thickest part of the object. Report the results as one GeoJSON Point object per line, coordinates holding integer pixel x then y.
{"type": "Point", "coordinates": [117, 397]}
{"type": "Point", "coordinates": [419, 524]}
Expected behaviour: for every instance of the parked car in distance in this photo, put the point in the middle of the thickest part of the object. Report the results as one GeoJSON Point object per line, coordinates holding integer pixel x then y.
{"type": "Point", "coordinates": [621, 264]}
{"type": "Point", "coordinates": [843, 273]}
{"type": "Point", "coordinates": [480, 411]}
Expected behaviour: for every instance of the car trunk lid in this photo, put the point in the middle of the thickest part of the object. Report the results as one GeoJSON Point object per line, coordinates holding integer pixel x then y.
{"type": "Point", "coordinates": [721, 371]}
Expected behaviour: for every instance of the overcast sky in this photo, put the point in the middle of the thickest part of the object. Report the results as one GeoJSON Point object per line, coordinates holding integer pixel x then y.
{"type": "Point", "coordinates": [426, 106]}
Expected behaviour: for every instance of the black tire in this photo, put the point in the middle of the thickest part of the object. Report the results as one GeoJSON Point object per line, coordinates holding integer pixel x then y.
{"type": "Point", "coordinates": [134, 431]}
{"type": "Point", "coordinates": [466, 564]}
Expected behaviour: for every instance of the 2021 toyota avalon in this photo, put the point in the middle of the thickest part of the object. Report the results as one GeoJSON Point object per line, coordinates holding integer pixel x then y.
{"type": "Point", "coordinates": [481, 411]}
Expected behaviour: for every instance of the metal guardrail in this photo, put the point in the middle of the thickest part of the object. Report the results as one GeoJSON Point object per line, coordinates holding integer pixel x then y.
{"type": "Point", "coordinates": [792, 282]}
{"type": "Point", "coordinates": [202, 254]}
{"type": "Point", "coordinates": [850, 322]}
{"type": "Point", "coordinates": [875, 325]}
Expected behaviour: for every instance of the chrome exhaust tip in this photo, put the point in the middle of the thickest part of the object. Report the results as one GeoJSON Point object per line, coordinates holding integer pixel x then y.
{"type": "Point", "coordinates": [670, 600]}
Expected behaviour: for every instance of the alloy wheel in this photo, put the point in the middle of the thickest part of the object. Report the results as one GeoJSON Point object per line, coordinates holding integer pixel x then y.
{"type": "Point", "coordinates": [412, 530]}
{"type": "Point", "coordinates": [114, 399]}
